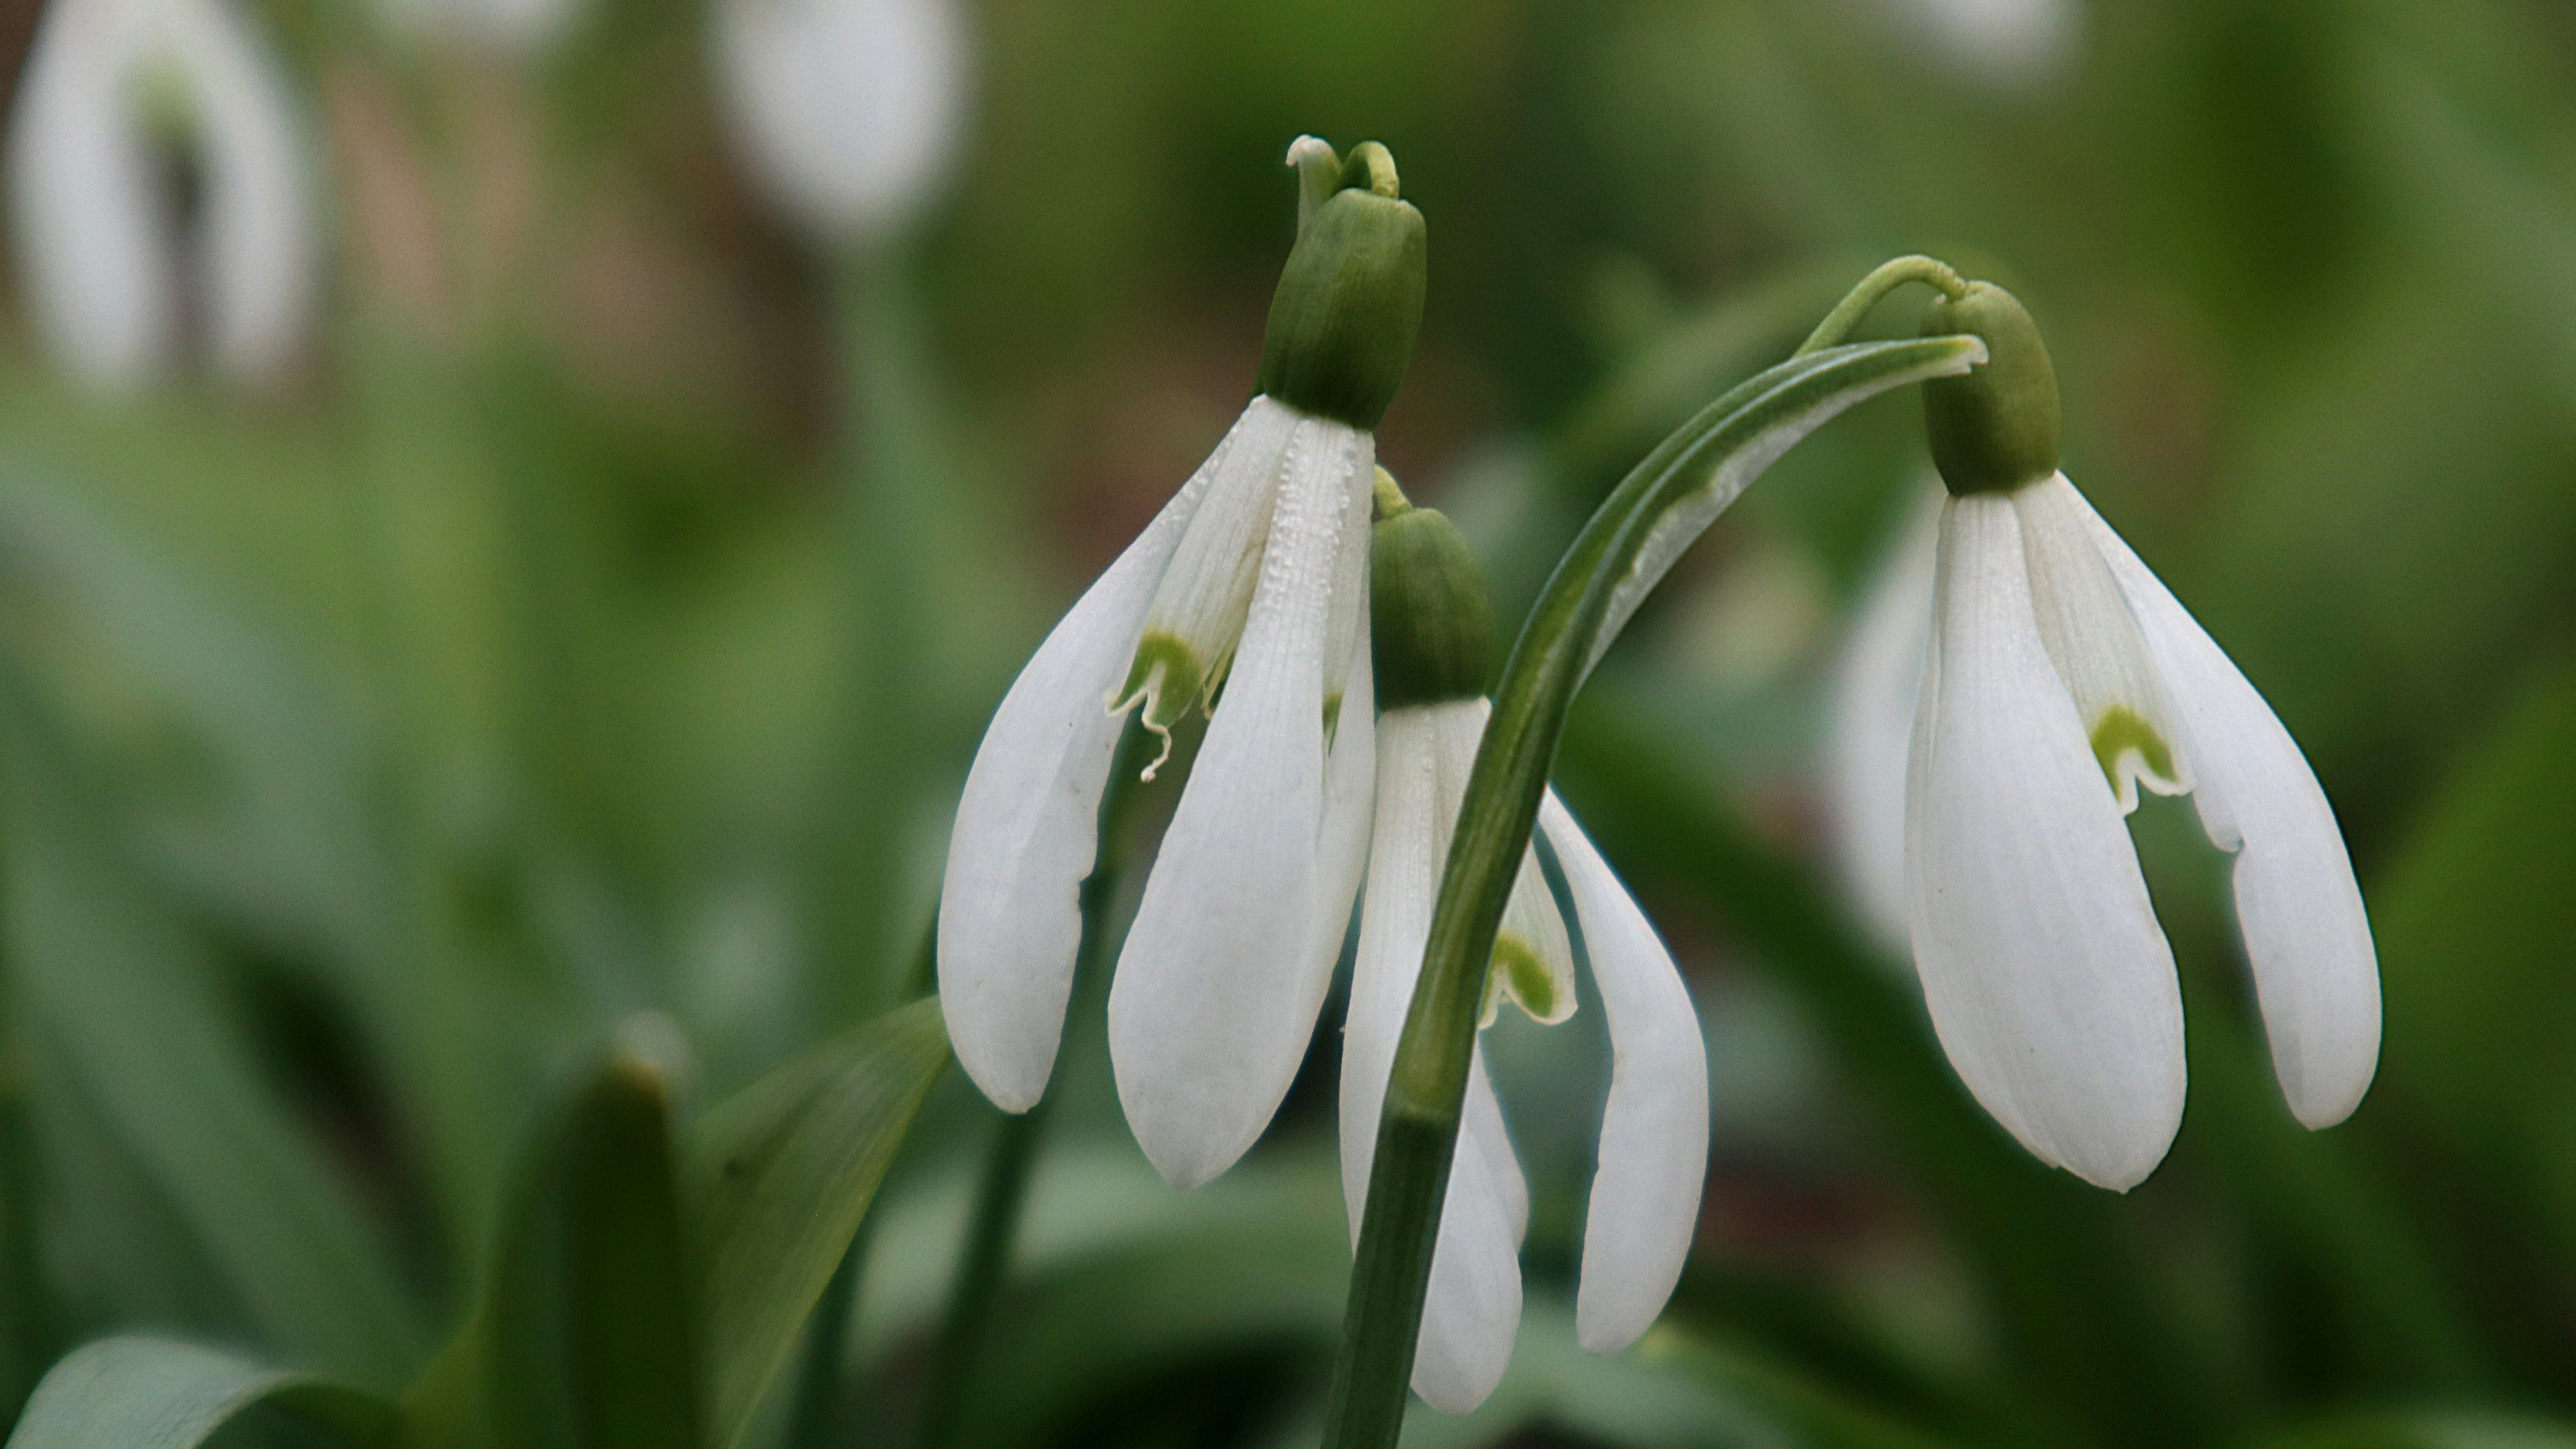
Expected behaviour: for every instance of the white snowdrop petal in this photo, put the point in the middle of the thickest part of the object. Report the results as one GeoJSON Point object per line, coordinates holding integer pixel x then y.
{"type": "Point", "coordinates": [1199, 608]}
{"type": "Point", "coordinates": [1027, 827]}
{"type": "Point", "coordinates": [2307, 936]}
{"type": "Point", "coordinates": [1471, 1309]}
{"type": "Point", "coordinates": [1350, 797]}
{"type": "Point", "coordinates": [1533, 956]}
{"type": "Point", "coordinates": [2093, 639]}
{"type": "Point", "coordinates": [1216, 991]}
{"type": "Point", "coordinates": [1346, 628]}
{"type": "Point", "coordinates": [1405, 851]}
{"type": "Point", "coordinates": [2051, 987]}
{"type": "Point", "coordinates": [259, 266]}
{"type": "Point", "coordinates": [92, 238]}
{"type": "Point", "coordinates": [850, 110]}
{"type": "Point", "coordinates": [1877, 680]}
{"type": "Point", "coordinates": [1653, 1161]}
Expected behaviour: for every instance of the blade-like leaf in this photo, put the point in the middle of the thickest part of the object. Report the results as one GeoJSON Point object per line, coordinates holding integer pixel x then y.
{"type": "Point", "coordinates": [587, 1329]}
{"type": "Point", "coordinates": [158, 1393]}
{"type": "Point", "coordinates": [780, 1177]}
{"type": "Point", "coordinates": [146, 1093]}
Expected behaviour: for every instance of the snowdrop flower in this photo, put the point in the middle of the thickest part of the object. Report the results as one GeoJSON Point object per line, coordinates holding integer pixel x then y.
{"type": "Point", "coordinates": [849, 110]}
{"type": "Point", "coordinates": [119, 271]}
{"type": "Point", "coordinates": [1433, 632]}
{"type": "Point", "coordinates": [2062, 677]}
{"type": "Point", "coordinates": [1255, 576]}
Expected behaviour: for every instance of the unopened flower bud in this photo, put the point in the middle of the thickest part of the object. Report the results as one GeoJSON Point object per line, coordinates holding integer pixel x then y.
{"type": "Point", "coordinates": [1349, 304]}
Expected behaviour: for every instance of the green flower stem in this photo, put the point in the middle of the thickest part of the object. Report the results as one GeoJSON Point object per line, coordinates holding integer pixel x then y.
{"type": "Point", "coordinates": [887, 475]}
{"type": "Point", "coordinates": [1003, 1192]}
{"type": "Point", "coordinates": [1679, 488]}
{"type": "Point", "coordinates": [1886, 277]}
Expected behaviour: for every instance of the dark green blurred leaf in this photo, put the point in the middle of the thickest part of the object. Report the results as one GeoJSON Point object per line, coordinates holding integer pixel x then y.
{"type": "Point", "coordinates": [158, 1393]}
{"type": "Point", "coordinates": [779, 1178]}
{"type": "Point", "coordinates": [587, 1333]}
{"type": "Point", "coordinates": [142, 1075]}
{"type": "Point", "coordinates": [2462, 1429]}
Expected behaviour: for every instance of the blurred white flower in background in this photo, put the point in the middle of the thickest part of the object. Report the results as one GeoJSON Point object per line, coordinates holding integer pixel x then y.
{"type": "Point", "coordinates": [161, 193]}
{"type": "Point", "coordinates": [2005, 44]}
{"type": "Point", "coordinates": [513, 27]}
{"type": "Point", "coordinates": [849, 110]}
{"type": "Point", "coordinates": [1870, 721]}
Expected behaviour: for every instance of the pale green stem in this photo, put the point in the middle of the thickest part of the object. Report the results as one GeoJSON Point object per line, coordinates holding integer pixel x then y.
{"type": "Point", "coordinates": [886, 478]}
{"type": "Point", "coordinates": [1873, 289]}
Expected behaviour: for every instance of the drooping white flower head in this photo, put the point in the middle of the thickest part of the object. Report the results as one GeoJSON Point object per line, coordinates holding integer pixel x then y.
{"type": "Point", "coordinates": [1254, 577]}
{"type": "Point", "coordinates": [2061, 676]}
{"type": "Point", "coordinates": [1653, 1152]}
{"type": "Point", "coordinates": [520, 28]}
{"type": "Point", "coordinates": [849, 110]}
{"type": "Point", "coordinates": [123, 263]}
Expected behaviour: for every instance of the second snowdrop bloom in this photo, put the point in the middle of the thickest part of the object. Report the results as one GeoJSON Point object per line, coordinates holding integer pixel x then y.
{"type": "Point", "coordinates": [849, 110]}
{"type": "Point", "coordinates": [1253, 578]}
{"type": "Point", "coordinates": [1433, 631]}
{"type": "Point", "coordinates": [160, 192]}
{"type": "Point", "coordinates": [2062, 677]}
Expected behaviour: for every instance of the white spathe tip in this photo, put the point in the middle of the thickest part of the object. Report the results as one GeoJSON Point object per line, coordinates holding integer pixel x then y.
{"type": "Point", "coordinates": [108, 267]}
{"type": "Point", "coordinates": [1309, 148]}
{"type": "Point", "coordinates": [850, 112]}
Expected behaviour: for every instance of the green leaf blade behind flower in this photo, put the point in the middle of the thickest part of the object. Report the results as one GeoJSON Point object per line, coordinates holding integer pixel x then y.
{"type": "Point", "coordinates": [587, 1334]}
{"type": "Point", "coordinates": [157, 1393]}
{"type": "Point", "coordinates": [779, 1178]}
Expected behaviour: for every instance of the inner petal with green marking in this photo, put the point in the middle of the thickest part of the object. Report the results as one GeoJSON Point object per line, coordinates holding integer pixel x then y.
{"type": "Point", "coordinates": [1533, 957]}
{"type": "Point", "coordinates": [2130, 750]}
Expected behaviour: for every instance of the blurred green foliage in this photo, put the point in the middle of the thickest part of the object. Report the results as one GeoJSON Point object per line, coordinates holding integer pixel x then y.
{"type": "Point", "coordinates": [600, 622]}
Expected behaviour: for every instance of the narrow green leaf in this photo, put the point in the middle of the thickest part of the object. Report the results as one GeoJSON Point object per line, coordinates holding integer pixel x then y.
{"type": "Point", "coordinates": [158, 1393]}
{"type": "Point", "coordinates": [588, 1330]}
{"type": "Point", "coordinates": [779, 1178]}
{"type": "Point", "coordinates": [147, 1095]}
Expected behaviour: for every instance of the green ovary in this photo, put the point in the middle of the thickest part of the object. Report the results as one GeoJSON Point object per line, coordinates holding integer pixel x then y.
{"type": "Point", "coordinates": [2122, 730]}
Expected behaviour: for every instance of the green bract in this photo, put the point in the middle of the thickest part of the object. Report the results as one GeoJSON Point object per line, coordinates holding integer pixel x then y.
{"type": "Point", "coordinates": [1349, 303]}
{"type": "Point", "coordinates": [1431, 625]}
{"type": "Point", "coordinates": [1996, 428]}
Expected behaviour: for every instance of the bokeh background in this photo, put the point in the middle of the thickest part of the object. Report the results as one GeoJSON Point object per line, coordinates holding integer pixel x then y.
{"type": "Point", "coordinates": [595, 614]}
